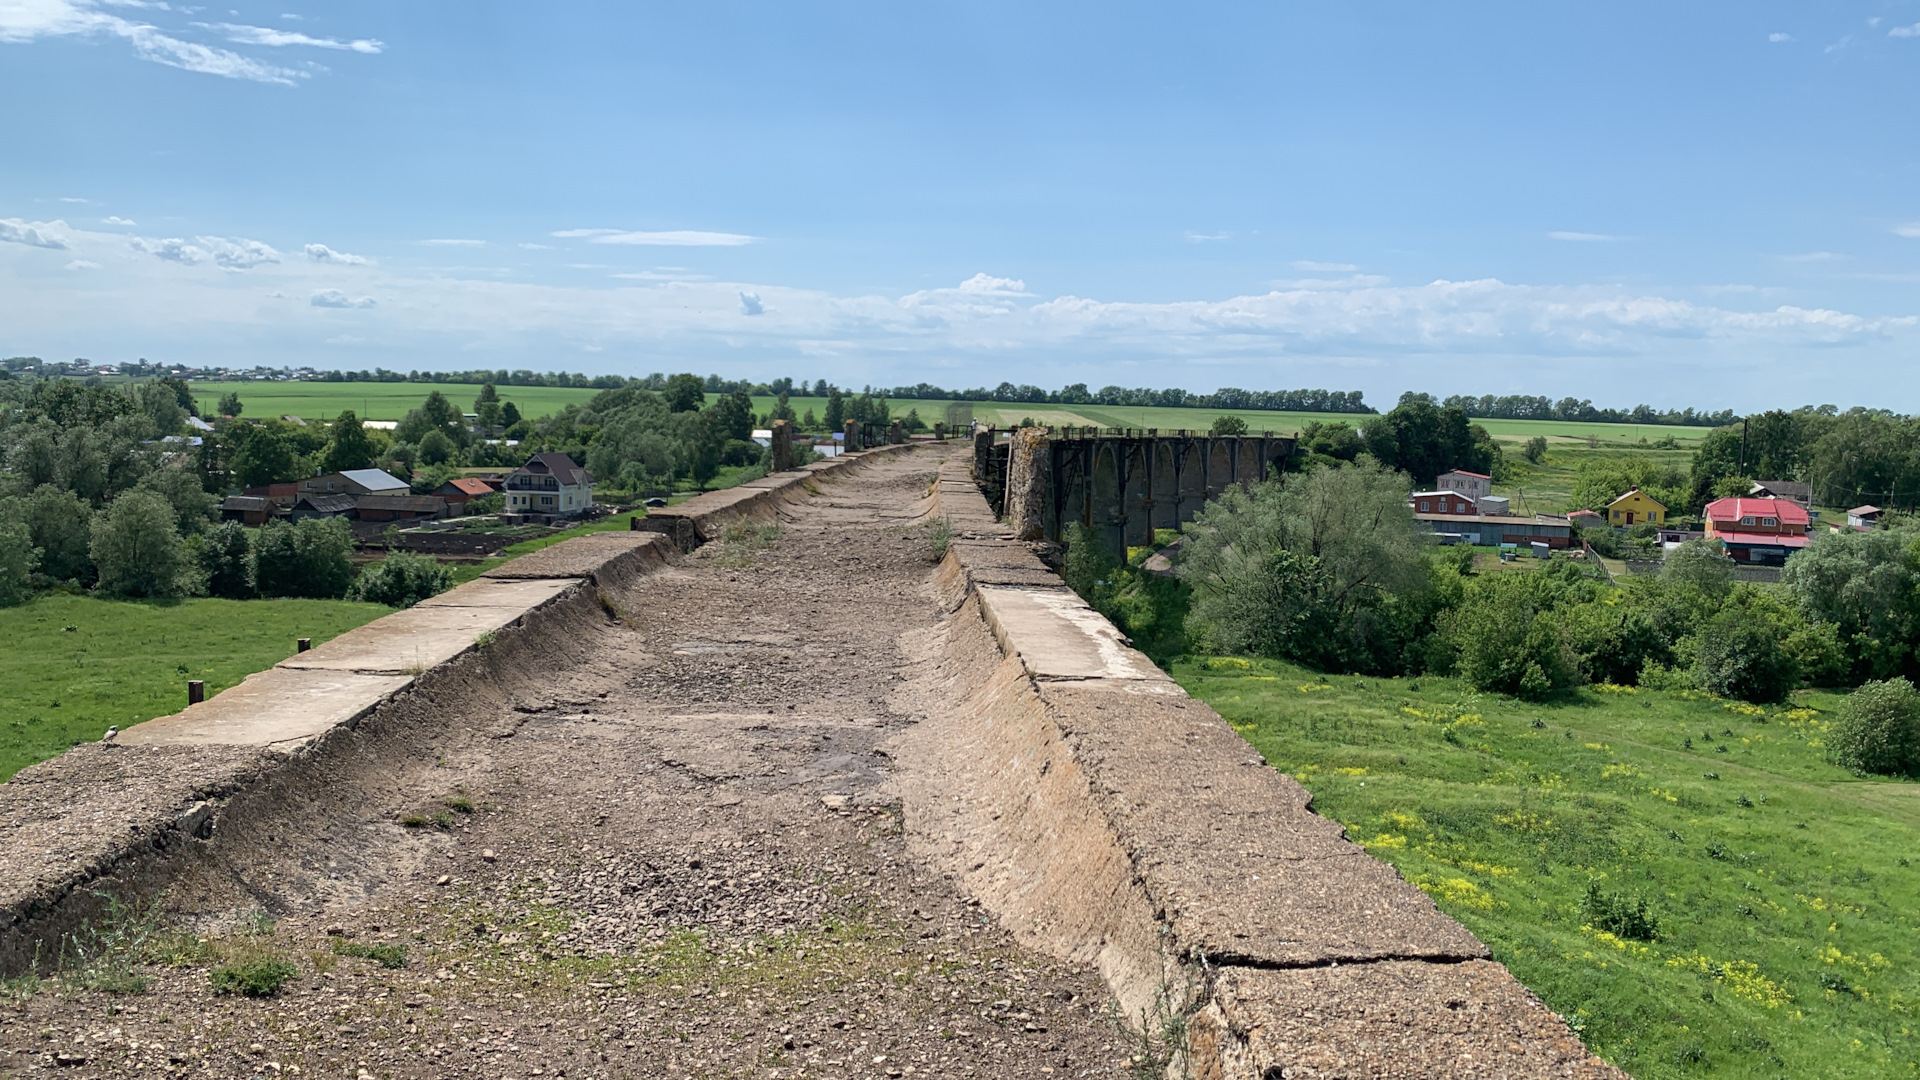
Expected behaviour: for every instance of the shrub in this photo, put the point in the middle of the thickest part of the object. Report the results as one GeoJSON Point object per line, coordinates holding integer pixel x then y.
{"type": "Point", "coordinates": [1228, 425]}
{"type": "Point", "coordinates": [136, 549]}
{"type": "Point", "coordinates": [1536, 449]}
{"type": "Point", "coordinates": [401, 580]}
{"type": "Point", "coordinates": [1619, 914]}
{"type": "Point", "coordinates": [1742, 652]}
{"type": "Point", "coordinates": [306, 558]}
{"type": "Point", "coordinates": [1506, 638]}
{"type": "Point", "coordinates": [1877, 730]}
{"type": "Point", "coordinates": [252, 978]}
{"type": "Point", "coordinates": [58, 520]}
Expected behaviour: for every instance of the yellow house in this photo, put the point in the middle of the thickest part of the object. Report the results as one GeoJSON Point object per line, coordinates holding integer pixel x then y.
{"type": "Point", "coordinates": [1635, 508]}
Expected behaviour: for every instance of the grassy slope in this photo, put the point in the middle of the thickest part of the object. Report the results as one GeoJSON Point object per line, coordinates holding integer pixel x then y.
{"type": "Point", "coordinates": [125, 661]}
{"type": "Point", "coordinates": [1505, 823]}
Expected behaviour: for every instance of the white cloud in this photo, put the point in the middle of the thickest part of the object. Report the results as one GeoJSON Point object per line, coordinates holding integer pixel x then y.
{"type": "Point", "coordinates": [115, 220]}
{"type": "Point", "coordinates": [1911, 230]}
{"type": "Point", "coordinates": [82, 264]}
{"type": "Point", "coordinates": [262, 35]}
{"type": "Point", "coordinates": [24, 21]}
{"type": "Point", "coordinates": [334, 298]}
{"type": "Point", "coordinates": [1324, 267]}
{"type": "Point", "coordinates": [1778, 38]}
{"type": "Point", "coordinates": [987, 285]}
{"type": "Point", "coordinates": [1202, 238]}
{"type": "Point", "coordinates": [321, 253]}
{"type": "Point", "coordinates": [40, 234]}
{"type": "Point", "coordinates": [71, 199]}
{"type": "Point", "coordinates": [454, 243]}
{"type": "Point", "coordinates": [1581, 237]}
{"type": "Point", "coordinates": [750, 304]}
{"type": "Point", "coordinates": [1905, 31]}
{"type": "Point", "coordinates": [669, 238]}
{"type": "Point", "coordinates": [239, 254]}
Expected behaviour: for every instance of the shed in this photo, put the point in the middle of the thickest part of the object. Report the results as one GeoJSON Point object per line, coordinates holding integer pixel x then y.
{"type": "Point", "coordinates": [322, 506]}
{"type": "Point", "coordinates": [1864, 517]}
{"type": "Point", "coordinates": [247, 509]}
{"type": "Point", "coordinates": [400, 507]}
{"type": "Point", "coordinates": [463, 489]}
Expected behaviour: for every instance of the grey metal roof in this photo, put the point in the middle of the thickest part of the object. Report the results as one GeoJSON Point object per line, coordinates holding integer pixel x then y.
{"type": "Point", "coordinates": [374, 479]}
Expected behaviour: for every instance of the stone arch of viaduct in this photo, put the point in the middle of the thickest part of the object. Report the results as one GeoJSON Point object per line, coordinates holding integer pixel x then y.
{"type": "Point", "coordinates": [1121, 483]}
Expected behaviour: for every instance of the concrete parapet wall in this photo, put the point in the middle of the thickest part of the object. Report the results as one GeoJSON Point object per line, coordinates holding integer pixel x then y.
{"type": "Point", "coordinates": [1105, 815]}
{"type": "Point", "coordinates": [704, 518]}
{"type": "Point", "coordinates": [117, 821]}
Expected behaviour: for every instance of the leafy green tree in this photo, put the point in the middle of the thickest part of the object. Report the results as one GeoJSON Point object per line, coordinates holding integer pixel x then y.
{"type": "Point", "coordinates": [1877, 730]}
{"type": "Point", "coordinates": [401, 580]}
{"type": "Point", "coordinates": [1703, 563]}
{"type": "Point", "coordinates": [230, 404]}
{"type": "Point", "coordinates": [733, 416]}
{"type": "Point", "coordinates": [1536, 449]}
{"type": "Point", "coordinates": [18, 560]}
{"type": "Point", "coordinates": [1507, 637]}
{"type": "Point", "coordinates": [1599, 481]}
{"type": "Point", "coordinates": [193, 508]}
{"type": "Point", "coordinates": [509, 415]}
{"type": "Point", "coordinates": [488, 409]}
{"type": "Point", "coordinates": [304, 558]}
{"type": "Point", "coordinates": [1424, 440]}
{"type": "Point", "coordinates": [836, 411]}
{"type": "Point", "coordinates": [225, 561]}
{"type": "Point", "coordinates": [261, 454]}
{"type": "Point", "coordinates": [136, 548]}
{"type": "Point", "coordinates": [160, 405]}
{"type": "Point", "coordinates": [59, 524]}
{"type": "Point", "coordinates": [1329, 442]}
{"type": "Point", "coordinates": [781, 409]}
{"type": "Point", "coordinates": [1743, 650]}
{"type": "Point", "coordinates": [1867, 587]}
{"type": "Point", "coordinates": [1303, 569]}
{"type": "Point", "coordinates": [348, 445]}
{"type": "Point", "coordinates": [1228, 425]}
{"type": "Point", "coordinates": [436, 448]}
{"type": "Point", "coordinates": [685, 393]}
{"type": "Point", "coordinates": [436, 413]}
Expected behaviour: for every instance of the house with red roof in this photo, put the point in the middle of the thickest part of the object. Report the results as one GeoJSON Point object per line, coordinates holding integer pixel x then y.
{"type": "Point", "coordinates": [1759, 532]}
{"type": "Point", "coordinates": [461, 490]}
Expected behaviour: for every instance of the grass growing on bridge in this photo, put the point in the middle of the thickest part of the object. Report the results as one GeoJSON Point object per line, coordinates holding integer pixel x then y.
{"type": "Point", "coordinates": [1785, 892]}
{"type": "Point", "coordinates": [71, 666]}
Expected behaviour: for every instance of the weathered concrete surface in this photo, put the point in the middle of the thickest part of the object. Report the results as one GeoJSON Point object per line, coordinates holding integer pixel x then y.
{"type": "Point", "coordinates": [610, 560]}
{"type": "Point", "coordinates": [1101, 812]}
{"type": "Point", "coordinates": [279, 707]}
{"type": "Point", "coordinates": [1029, 493]}
{"type": "Point", "coordinates": [703, 518]}
{"type": "Point", "coordinates": [432, 632]}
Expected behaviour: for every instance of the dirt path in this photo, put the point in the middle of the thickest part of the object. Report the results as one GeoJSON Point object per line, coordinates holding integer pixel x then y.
{"type": "Point", "coordinates": [671, 861]}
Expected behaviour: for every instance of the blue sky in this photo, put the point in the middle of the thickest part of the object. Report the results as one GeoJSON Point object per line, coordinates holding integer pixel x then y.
{"type": "Point", "coordinates": [1707, 204]}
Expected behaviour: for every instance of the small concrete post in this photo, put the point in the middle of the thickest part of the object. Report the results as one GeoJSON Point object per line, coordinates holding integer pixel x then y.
{"type": "Point", "coordinates": [196, 691]}
{"type": "Point", "coordinates": [303, 644]}
{"type": "Point", "coordinates": [982, 454]}
{"type": "Point", "coordinates": [897, 432]}
{"type": "Point", "coordinates": [853, 435]}
{"type": "Point", "coordinates": [1028, 491]}
{"type": "Point", "coordinates": [940, 430]}
{"type": "Point", "coordinates": [782, 449]}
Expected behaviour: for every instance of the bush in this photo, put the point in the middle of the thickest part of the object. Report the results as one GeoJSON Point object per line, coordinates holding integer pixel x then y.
{"type": "Point", "coordinates": [1619, 915]}
{"type": "Point", "coordinates": [1877, 730]}
{"type": "Point", "coordinates": [18, 558]}
{"type": "Point", "coordinates": [58, 521]}
{"type": "Point", "coordinates": [1506, 638]}
{"type": "Point", "coordinates": [253, 978]}
{"type": "Point", "coordinates": [305, 558]}
{"type": "Point", "coordinates": [1742, 652]}
{"type": "Point", "coordinates": [401, 580]}
{"type": "Point", "coordinates": [136, 549]}
{"type": "Point", "coordinates": [1536, 449]}
{"type": "Point", "coordinates": [1228, 425]}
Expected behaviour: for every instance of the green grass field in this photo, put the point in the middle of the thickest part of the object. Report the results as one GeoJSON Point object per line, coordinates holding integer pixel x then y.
{"type": "Point", "coordinates": [1785, 890]}
{"type": "Point", "coordinates": [372, 401]}
{"type": "Point", "coordinates": [71, 666]}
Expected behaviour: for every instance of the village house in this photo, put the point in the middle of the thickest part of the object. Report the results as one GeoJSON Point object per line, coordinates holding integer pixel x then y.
{"type": "Point", "coordinates": [1471, 484]}
{"type": "Point", "coordinates": [1636, 507]}
{"type": "Point", "coordinates": [355, 482]}
{"type": "Point", "coordinates": [1451, 503]}
{"type": "Point", "coordinates": [1864, 517]}
{"type": "Point", "coordinates": [462, 490]}
{"type": "Point", "coordinates": [1761, 532]}
{"type": "Point", "coordinates": [549, 485]}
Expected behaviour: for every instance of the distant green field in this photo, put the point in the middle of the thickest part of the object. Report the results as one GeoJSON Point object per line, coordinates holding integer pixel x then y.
{"type": "Point", "coordinates": [126, 661]}
{"type": "Point", "coordinates": [1783, 888]}
{"type": "Point", "coordinates": [390, 401]}
{"type": "Point", "coordinates": [372, 401]}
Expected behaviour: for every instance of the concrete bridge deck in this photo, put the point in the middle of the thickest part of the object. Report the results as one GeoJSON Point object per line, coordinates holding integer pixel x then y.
{"type": "Point", "coordinates": [805, 804]}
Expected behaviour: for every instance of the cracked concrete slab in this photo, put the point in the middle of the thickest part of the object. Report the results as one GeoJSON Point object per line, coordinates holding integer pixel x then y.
{"type": "Point", "coordinates": [1060, 637]}
{"type": "Point", "coordinates": [275, 707]}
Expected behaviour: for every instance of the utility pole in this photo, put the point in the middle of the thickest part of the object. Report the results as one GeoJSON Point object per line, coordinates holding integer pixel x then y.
{"type": "Point", "coordinates": [1743, 446]}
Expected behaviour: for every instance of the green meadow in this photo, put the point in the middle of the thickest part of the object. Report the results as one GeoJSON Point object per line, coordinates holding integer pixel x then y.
{"type": "Point", "coordinates": [1684, 878]}
{"type": "Point", "coordinates": [372, 401]}
{"type": "Point", "coordinates": [72, 666]}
